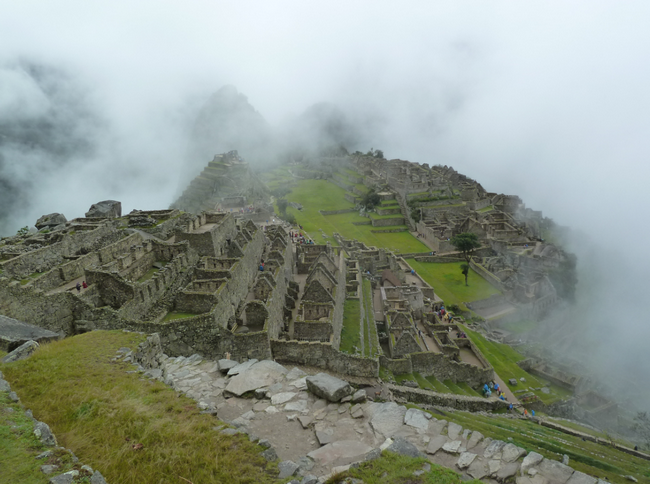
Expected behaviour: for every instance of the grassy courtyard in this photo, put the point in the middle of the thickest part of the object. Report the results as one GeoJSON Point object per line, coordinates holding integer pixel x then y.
{"type": "Point", "coordinates": [315, 195]}
{"type": "Point", "coordinates": [449, 283]}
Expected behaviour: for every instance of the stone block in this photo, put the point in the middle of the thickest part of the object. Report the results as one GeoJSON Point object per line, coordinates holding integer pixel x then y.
{"type": "Point", "coordinates": [328, 387]}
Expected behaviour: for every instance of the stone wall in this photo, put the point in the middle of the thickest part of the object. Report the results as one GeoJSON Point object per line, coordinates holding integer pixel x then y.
{"type": "Point", "coordinates": [444, 368]}
{"type": "Point", "coordinates": [460, 402]}
{"type": "Point", "coordinates": [396, 366]}
{"type": "Point", "coordinates": [323, 355]}
{"type": "Point", "coordinates": [385, 222]}
{"type": "Point", "coordinates": [313, 331]}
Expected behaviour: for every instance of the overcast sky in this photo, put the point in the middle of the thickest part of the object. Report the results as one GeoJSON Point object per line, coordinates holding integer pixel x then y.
{"type": "Point", "coordinates": [547, 100]}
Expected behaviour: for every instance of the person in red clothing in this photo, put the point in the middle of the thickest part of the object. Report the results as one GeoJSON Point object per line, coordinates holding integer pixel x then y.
{"type": "Point", "coordinates": [84, 285]}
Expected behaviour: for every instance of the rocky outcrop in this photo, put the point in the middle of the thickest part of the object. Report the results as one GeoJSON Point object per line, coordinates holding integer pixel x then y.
{"type": "Point", "coordinates": [105, 209]}
{"type": "Point", "coordinates": [50, 220]}
{"type": "Point", "coordinates": [22, 352]}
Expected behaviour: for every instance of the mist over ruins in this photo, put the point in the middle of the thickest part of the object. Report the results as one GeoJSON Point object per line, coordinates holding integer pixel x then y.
{"type": "Point", "coordinates": [289, 244]}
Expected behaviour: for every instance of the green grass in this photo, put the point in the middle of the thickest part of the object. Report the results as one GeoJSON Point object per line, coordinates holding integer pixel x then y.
{"type": "Point", "coordinates": [177, 315]}
{"type": "Point", "coordinates": [315, 195]}
{"type": "Point", "coordinates": [148, 275]}
{"type": "Point", "coordinates": [455, 388]}
{"type": "Point", "coordinates": [398, 469]}
{"type": "Point", "coordinates": [588, 457]}
{"type": "Point", "coordinates": [449, 283]}
{"type": "Point", "coordinates": [504, 358]}
{"type": "Point", "coordinates": [423, 382]}
{"type": "Point", "coordinates": [404, 377]}
{"type": "Point", "coordinates": [468, 389]}
{"type": "Point", "coordinates": [370, 334]}
{"type": "Point", "coordinates": [486, 209]}
{"type": "Point", "coordinates": [99, 412]}
{"type": "Point", "coordinates": [350, 334]}
{"type": "Point", "coordinates": [438, 385]}
{"type": "Point", "coordinates": [19, 447]}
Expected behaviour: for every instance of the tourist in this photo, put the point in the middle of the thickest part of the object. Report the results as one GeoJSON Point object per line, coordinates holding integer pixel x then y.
{"type": "Point", "coordinates": [78, 287]}
{"type": "Point", "coordinates": [533, 412]}
{"type": "Point", "coordinates": [84, 285]}
{"type": "Point", "coordinates": [525, 413]}
{"type": "Point", "coordinates": [510, 407]}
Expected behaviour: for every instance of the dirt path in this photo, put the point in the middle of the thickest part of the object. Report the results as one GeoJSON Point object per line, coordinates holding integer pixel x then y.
{"type": "Point", "coordinates": [69, 286]}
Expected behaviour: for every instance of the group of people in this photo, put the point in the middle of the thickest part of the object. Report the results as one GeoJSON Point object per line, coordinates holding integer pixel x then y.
{"type": "Point", "coordinates": [299, 238]}
{"type": "Point", "coordinates": [444, 316]}
{"type": "Point", "coordinates": [80, 285]}
{"type": "Point", "coordinates": [491, 387]}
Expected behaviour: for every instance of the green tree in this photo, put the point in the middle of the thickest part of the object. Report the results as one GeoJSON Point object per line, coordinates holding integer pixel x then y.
{"type": "Point", "coordinates": [371, 199]}
{"type": "Point", "coordinates": [23, 231]}
{"type": "Point", "coordinates": [282, 205]}
{"type": "Point", "coordinates": [466, 243]}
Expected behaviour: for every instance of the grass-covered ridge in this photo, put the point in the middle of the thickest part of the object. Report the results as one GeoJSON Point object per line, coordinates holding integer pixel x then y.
{"type": "Point", "coordinates": [100, 412]}
{"type": "Point", "coordinates": [394, 468]}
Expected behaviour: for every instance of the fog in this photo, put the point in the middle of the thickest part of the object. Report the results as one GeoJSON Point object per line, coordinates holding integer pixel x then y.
{"type": "Point", "coordinates": [546, 100]}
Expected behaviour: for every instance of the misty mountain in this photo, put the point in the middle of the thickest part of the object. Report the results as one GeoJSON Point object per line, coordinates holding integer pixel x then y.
{"type": "Point", "coordinates": [46, 121]}
{"type": "Point", "coordinates": [228, 122]}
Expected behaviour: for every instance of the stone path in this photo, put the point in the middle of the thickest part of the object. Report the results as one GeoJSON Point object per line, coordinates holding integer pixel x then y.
{"type": "Point", "coordinates": [315, 438]}
{"type": "Point", "coordinates": [69, 286]}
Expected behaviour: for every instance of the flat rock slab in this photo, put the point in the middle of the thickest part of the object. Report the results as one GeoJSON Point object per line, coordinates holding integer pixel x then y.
{"type": "Point", "coordinates": [580, 478]}
{"type": "Point", "coordinates": [340, 453]}
{"type": "Point", "coordinates": [417, 418]}
{"type": "Point", "coordinates": [452, 447]}
{"type": "Point", "coordinates": [236, 370]}
{"type": "Point", "coordinates": [495, 447]}
{"type": "Point", "coordinates": [465, 459]}
{"type": "Point", "coordinates": [387, 418]}
{"type": "Point", "coordinates": [328, 387]}
{"type": "Point", "coordinates": [555, 471]}
{"type": "Point", "coordinates": [258, 375]}
{"type": "Point", "coordinates": [225, 365]}
{"type": "Point", "coordinates": [454, 430]}
{"type": "Point", "coordinates": [531, 460]}
{"type": "Point", "coordinates": [280, 398]}
{"type": "Point", "coordinates": [511, 453]}
{"type": "Point", "coordinates": [436, 443]}
{"type": "Point", "coordinates": [404, 447]}
{"type": "Point", "coordinates": [478, 469]}
{"type": "Point", "coordinates": [475, 438]}
{"type": "Point", "coordinates": [14, 333]}
{"type": "Point", "coordinates": [508, 470]}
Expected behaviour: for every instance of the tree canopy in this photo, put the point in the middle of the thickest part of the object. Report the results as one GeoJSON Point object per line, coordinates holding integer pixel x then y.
{"type": "Point", "coordinates": [466, 243]}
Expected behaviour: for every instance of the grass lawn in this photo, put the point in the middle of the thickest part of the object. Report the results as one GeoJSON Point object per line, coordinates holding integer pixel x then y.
{"type": "Point", "coordinates": [350, 334]}
{"type": "Point", "coordinates": [100, 412]}
{"type": "Point", "coordinates": [449, 283]}
{"type": "Point", "coordinates": [438, 385]}
{"type": "Point", "coordinates": [315, 195]}
{"type": "Point", "coordinates": [504, 358]}
{"type": "Point", "coordinates": [394, 468]}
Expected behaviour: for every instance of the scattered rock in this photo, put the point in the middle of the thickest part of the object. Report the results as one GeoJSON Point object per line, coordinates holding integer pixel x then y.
{"type": "Point", "coordinates": [474, 440]}
{"type": "Point", "coordinates": [280, 398]}
{"type": "Point", "coordinates": [565, 460]}
{"type": "Point", "coordinates": [454, 430]}
{"type": "Point", "coordinates": [531, 460]}
{"type": "Point", "coordinates": [270, 454]}
{"type": "Point", "coordinates": [513, 381]}
{"type": "Point", "coordinates": [22, 352]}
{"type": "Point", "coordinates": [387, 418]}
{"type": "Point", "coordinates": [305, 421]}
{"type": "Point", "coordinates": [359, 396]}
{"type": "Point", "coordinates": [494, 448]}
{"type": "Point", "coordinates": [465, 459]}
{"type": "Point", "coordinates": [507, 471]}
{"type": "Point", "coordinates": [287, 468]}
{"type": "Point", "coordinates": [324, 436]}
{"type": "Point", "coordinates": [309, 479]}
{"type": "Point", "coordinates": [341, 452]}
{"type": "Point", "coordinates": [295, 373]}
{"type": "Point", "coordinates": [226, 365]}
{"type": "Point", "coordinates": [49, 469]}
{"type": "Point", "coordinates": [478, 469]}
{"type": "Point", "coordinates": [236, 370]}
{"type": "Point", "coordinates": [452, 447]}
{"type": "Point", "coordinates": [328, 387]}
{"type": "Point", "coordinates": [356, 411]}
{"type": "Point", "coordinates": [511, 453]}
{"type": "Point", "coordinates": [631, 478]}
{"type": "Point", "coordinates": [555, 471]}
{"type": "Point", "coordinates": [416, 418]}
{"type": "Point", "coordinates": [436, 443]}
{"type": "Point", "coordinates": [97, 478]}
{"type": "Point", "coordinates": [580, 478]}
{"type": "Point", "coordinates": [404, 447]}
{"type": "Point", "coordinates": [44, 434]}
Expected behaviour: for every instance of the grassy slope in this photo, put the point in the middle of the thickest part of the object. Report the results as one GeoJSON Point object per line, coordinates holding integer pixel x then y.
{"type": "Point", "coordinates": [504, 358]}
{"type": "Point", "coordinates": [99, 411]}
{"type": "Point", "coordinates": [449, 283]}
{"type": "Point", "coordinates": [19, 447]}
{"type": "Point", "coordinates": [394, 468]}
{"type": "Point", "coordinates": [588, 457]}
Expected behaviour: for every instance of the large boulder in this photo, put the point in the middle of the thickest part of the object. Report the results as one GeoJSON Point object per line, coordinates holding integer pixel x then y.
{"type": "Point", "coordinates": [50, 220]}
{"type": "Point", "coordinates": [259, 375]}
{"type": "Point", "coordinates": [14, 333]}
{"type": "Point", "coordinates": [22, 352]}
{"type": "Point", "coordinates": [328, 387]}
{"type": "Point", "coordinates": [105, 209]}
